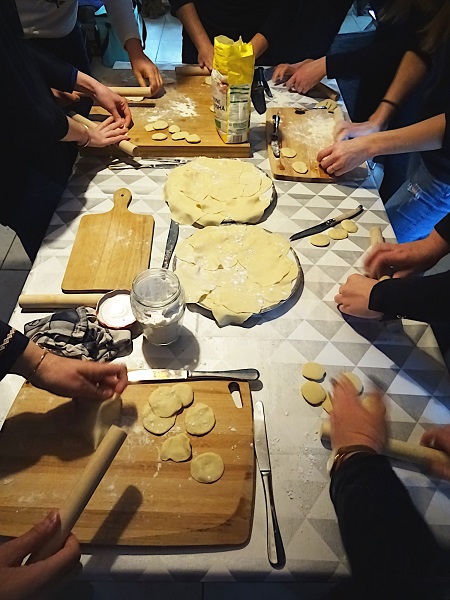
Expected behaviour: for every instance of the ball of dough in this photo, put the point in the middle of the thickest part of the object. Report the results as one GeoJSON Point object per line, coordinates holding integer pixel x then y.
{"type": "Point", "coordinates": [336, 233]}
{"type": "Point", "coordinates": [314, 371]}
{"type": "Point", "coordinates": [174, 129]}
{"type": "Point", "coordinates": [159, 137]}
{"type": "Point", "coordinates": [199, 419]}
{"type": "Point", "coordinates": [319, 240]}
{"type": "Point", "coordinates": [155, 424]}
{"type": "Point", "coordinates": [313, 393]}
{"type": "Point", "coordinates": [288, 152]}
{"type": "Point", "coordinates": [349, 225]}
{"type": "Point", "coordinates": [177, 448]}
{"type": "Point", "coordinates": [300, 167]}
{"type": "Point", "coordinates": [160, 124]}
{"type": "Point", "coordinates": [193, 138]}
{"type": "Point", "coordinates": [185, 392]}
{"type": "Point", "coordinates": [207, 467]}
{"type": "Point", "coordinates": [164, 402]}
{"type": "Point", "coordinates": [180, 135]}
{"type": "Point", "coordinates": [149, 127]}
{"type": "Point", "coordinates": [356, 382]}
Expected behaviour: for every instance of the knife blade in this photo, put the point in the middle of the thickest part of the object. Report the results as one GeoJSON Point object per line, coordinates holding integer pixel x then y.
{"type": "Point", "coordinates": [275, 140]}
{"type": "Point", "coordinates": [148, 375]}
{"type": "Point", "coordinates": [172, 238]}
{"type": "Point", "coordinates": [275, 549]}
{"type": "Point", "coordinates": [327, 224]}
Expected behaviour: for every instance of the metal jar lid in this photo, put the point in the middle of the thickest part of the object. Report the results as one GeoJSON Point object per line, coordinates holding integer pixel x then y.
{"type": "Point", "coordinates": [114, 310]}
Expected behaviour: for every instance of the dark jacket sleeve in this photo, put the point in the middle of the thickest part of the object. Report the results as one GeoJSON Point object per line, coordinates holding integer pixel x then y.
{"type": "Point", "coordinates": [56, 73]}
{"type": "Point", "coordinates": [446, 140]}
{"type": "Point", "coordinates": [387, 542]}
{"type": "Point", "coordinates": [176, 4]}
{"type": "Point", "coordinates": [12, 344]}
{"type": "Point", "coordinates": [275, 22]}
{"type": "Point", "coordinates": [418, 298]}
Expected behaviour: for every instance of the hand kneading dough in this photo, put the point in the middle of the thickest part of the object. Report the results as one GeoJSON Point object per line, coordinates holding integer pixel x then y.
{"type": "Point", "coordinates": [314, 371]}
{"type": "Point", "coordinates": [97, 417]}
{"type": "Point", "coordinates": [160, 124]}
{"type": "Point", "coordinates": [199, 419]}
{"type": "Point", "coordinates": [336, 233]}
{"type": "Point", "coordinates": [207, 467]}
{"type": "Point", "coordinates": [349, 225]}
{"type": "Point", "coordinates": [165, 402]}
{"type": "Point", "coordinates": [313, 393]}
{"type": "Point", "coordinates": [185, 392]}
{"type": "Point", "coordinates": [176, 448]}
{"type": "Point", "coordinates": [356, 382]}
{"type": "Point", "coordinates": [288, 152]}
{"type": "Point", "coordinates": [319, 240]}
{"type": "Point", "coordinates": [300, 167]}
{"type": "Point", "coordinates": [193, 138]}
{"type": "Point", "coordinates": [159, 137]}
{"type": "Point", "coordinates": [155, 424]}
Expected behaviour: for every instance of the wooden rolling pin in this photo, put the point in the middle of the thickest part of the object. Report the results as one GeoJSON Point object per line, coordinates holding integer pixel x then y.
{"type": "Point", "coordinates": [375, 236]}
{"type": "Point", "coordinates": [192, 70]}
{"type": "Point", "coordinates": [125, 145]}
{"type": "Point", "coordinates": [326, 91]}
{"type": "Point", "coordinates": [83, 490]}
{"type": "Point", "coordinates": [421, 455]}
{"type": "Point", "coordinates": [49, 302]}
{"type": "Point", "coordinates": [133, 92]}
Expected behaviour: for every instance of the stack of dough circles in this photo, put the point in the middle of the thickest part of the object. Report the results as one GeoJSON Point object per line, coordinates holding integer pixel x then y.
{"type": "Point", "coordinates": [207, 467]}
{"type": "Point", "coordinates": [177, 448]}
{"type": "Point", "coordinates": [313, 371]}
{"type": "Point", "coordinates": [207, 191]}
{"type": "Point", "coordinates": [236, 271]}
{"type": "Point", "coordinates": [349, 226]}
{"type": "Point", "coordinates": [337, 233]}
{"type": "Point", "coordinates": [199, 419]}
{"type": "Point", "coordinates": [313, 393]}
{"type": "Point", "coordinates": [155, 424]}
{"type": "Point", "coordinates": [356, 381]}
{"type": "Point", "coordinates": [319, 240]}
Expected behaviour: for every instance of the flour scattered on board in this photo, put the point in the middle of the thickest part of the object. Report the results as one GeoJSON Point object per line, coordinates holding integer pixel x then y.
{"type": "Point", "coordinates": [174, 105]}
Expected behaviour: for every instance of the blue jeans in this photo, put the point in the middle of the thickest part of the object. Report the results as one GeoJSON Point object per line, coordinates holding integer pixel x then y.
{"type": "Point", "coordinates": [416, 207]}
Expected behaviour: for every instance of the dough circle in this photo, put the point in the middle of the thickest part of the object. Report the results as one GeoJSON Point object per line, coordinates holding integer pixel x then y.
{"type": "Point", "coordinates": [159, 137]}
{"type": "Point", "coordinates": [199, 419]}
{"type": "Point", "coordinates": [155, 424]}
{"type": "Point", "coordinates": [135, 98]}
{"type": "Point", "coordinates": [193, 138]}
{"type": "Point", "coordinates": [207, 467]}
{"type": "Point", "coordinates": [313, 393]}
{"type": "Point", "coordinates": [180, 135]}
{"type": "Point", "coordinates": [160, 124]}
{"type": "Point", "coordinates": [320, 240]}
{"type": "Point", "coordinates": [177, 448]}
{"type": "Point", "coordinates": [300, 167]}
{"type": "Point", "coordinates": [164, 402]}
{"type": "Point", "coordinates": [356, 381]}
{"type": "Point", "coordinates": [185, 392]}
{"type": "Point", "coordinates": [349, 225]}
{"type": "Point", "coordinates": [314, 371]}
{"type": "Point", "coordinates": [288, 152]}
{"type": "Point", "coordinates": [336, 233]}
{"type": "Point", "coordinates": [327, 405]}
{"type": "Point", "coordinates": [149, 127]}
{"type": "Point", "coordinates": [174, 129]}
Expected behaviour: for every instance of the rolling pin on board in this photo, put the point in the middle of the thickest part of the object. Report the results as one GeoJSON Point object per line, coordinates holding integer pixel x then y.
{"type": "Point", "coordinates": [125, 145]}
{"type": "Point", "coordinates": [46, 302]}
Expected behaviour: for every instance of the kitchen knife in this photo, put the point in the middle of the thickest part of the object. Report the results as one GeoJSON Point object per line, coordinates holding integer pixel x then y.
{"type": "Point", "coordinates": [257, 91]}
{"type": "Point", "coordinates": [327, 224]}
{"type": "Point", "coordinates": [274, 140]}
{"type": "Point", "coordinates": [265, 84]}
{"type": "Point", "coordinates": [275, 549]}
{"type": "Point", "coordinates": [172, 238]}
{"type": "Point", "coordinates": [148, 375]}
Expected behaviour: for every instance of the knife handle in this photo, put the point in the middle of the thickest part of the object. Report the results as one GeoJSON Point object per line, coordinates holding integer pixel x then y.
{"type": "Point", "coordinates": [233, 374]}
{"type": "Point", "coordinates": [275, 548]}
{"type": "Point", "coordinates": [349, 214]}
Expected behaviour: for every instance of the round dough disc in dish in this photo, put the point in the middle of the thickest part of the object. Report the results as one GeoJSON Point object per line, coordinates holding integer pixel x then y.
{"type": "Point", "coordinates": [180, 135]}
{"type": "Point", "coordinates": [193, 138]}
{"type": "Point", "coordinates": [155, 424]}
{"type": "Point", "coordinates": [177, 448]}
{"type": "Point", "coordinates": [356, 382]}
{"type": "Point", "coordinates": [288, 152]}
{"type": "Point", "coordinates": [314, 371]}
{"type": "Point", "coordinates": [160, 124]}
{"type": "Point", "coordinates": [207, 467]}
{"type": "Point", "coordinates": [174, 129]}
{"type": "Point", "coordinates": [199, 419]}
{"type": "Point", "coordinates": [149, 127]}
{"type": "Point", "coordinates": [320, 240]}
{"type": "Point", "coordinates": [336, 233]}
{"type": "Point", "coordinates": [313, 393]}
{"type": "Point", "coordinates": [300, 167]}
{"type": "Point", "coordinates": [159, 137]}
{"type": "Point", "coordinates": [165, 402]}
{"type": "Point", "coordinates": [185, 392]}
{"type": "Point", "coordinates": [349, 225]}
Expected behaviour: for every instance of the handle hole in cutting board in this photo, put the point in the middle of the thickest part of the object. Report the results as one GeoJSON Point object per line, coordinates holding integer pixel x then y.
{"type": "Point", "coordinates": [235, 392]}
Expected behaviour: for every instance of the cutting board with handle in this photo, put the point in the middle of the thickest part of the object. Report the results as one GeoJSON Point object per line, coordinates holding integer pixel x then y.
{"type": "Point", "coordinates": [110, 249]}
{"type": "Point", "coordinates": [141, 500]}
{"type": "Point", "coordinates": [307, 134]}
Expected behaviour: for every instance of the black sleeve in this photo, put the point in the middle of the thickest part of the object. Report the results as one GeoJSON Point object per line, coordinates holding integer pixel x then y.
{"type": "Point", "coordinates": [446, 140]}
{"type": "Point", "coordinates": [443, 227]}
{"type": "Point", "coordinates": [387, 542]}
{"type": "Point", "coordinates": [55, 72]}
{"type": "Point", "coordinates": [275, 22]}
{"type": "Point", "coordinates": [418, 298]}
{"type": "Point", "coordinates": [12, 344]}
{"type": "Point", "coordinates": [176, 4]}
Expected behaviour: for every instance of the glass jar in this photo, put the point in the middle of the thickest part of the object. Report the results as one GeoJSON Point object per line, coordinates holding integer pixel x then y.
{"type": "Point", "coordinates": [157, 302]}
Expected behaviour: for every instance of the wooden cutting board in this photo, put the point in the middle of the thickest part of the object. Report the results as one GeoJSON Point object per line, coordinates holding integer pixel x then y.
{"type": "Point", "coordinates": [186, 103]}
{"type": "Point", "coordinates": [307, 134]}
{"type": "Point", "coordinates": [110, 249]}
{"type": "Point", "coordinates": [141, 500]}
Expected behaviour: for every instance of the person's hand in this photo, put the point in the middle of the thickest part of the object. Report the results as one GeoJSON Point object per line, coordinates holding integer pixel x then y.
{"type": "Point", "coordinates": [439, 438]}
{"type": "Point", "coordinates": [344, 156]}
{"type": "Point", "coordinates": [206, 55]}
{"type": "Point", "coordinates": [146, 71]}
{"type": "Point", "coordinates": [116, 105]}
{"type": "Point", "coordinates": [18, 581]}
{"type": "Point", "coordinates": [306, 76]}
{"type": "Point", "coordinates": [354, 295]}
{"type": "Point", "coordinates": [356, 422]}
{"type": "Point", "coordinates": [348, 130]}
{"type": "Point", "coordinates": [65, 98]}
{"type": "Point", "coordinates": [282, 72]}
{"type": "Point", "coordinates": [107, 132]}
{"type": "Point", "coordinates": [71, 378]}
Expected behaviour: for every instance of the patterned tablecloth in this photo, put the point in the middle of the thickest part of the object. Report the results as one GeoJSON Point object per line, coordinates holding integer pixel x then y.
{"type": "Point", "coordinates": [400, 358]}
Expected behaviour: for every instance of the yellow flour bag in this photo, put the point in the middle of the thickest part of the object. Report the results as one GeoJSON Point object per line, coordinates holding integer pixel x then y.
{"type": "Point", "coordinates": [231, 81]}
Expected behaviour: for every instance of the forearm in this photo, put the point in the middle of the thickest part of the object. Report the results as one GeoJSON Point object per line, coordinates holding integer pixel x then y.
{"type": "Point", "coordinates": [123, 20]}
{"type": "Point", "coordinates": [259, 44]}
{"type": "Point", "coordinates": [87, 84]}
{"type": "Point", "coordinates": [77, 132]}
{"type": "Point", "coordinates": [191, 22]}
